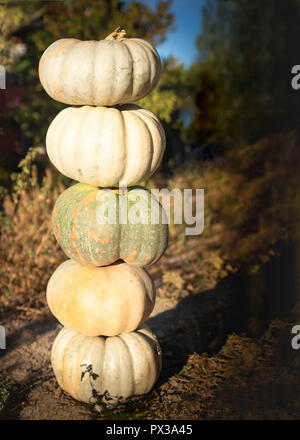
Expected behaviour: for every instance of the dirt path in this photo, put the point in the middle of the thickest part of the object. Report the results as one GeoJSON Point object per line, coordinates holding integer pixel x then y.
{"type": "Point", "coordinates": [211, 368]}
{"type": "Point", "coordinates": [27, 376]}
{"type": "Point", "coordinates": [246, 378]}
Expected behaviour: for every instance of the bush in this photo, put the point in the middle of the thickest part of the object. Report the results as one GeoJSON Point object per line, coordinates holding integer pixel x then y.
{"type": "Point", "coordinates": [28, 250]}
{"type": "Point", "coordinates": [255, 194]}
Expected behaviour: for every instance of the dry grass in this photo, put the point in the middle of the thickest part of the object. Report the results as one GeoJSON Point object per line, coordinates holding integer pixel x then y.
{"type": "Point", "coordinates": [251, 202]}
{"type": "Point", "coordinates": [255, 194]}
{"type": "Point", "coordinates": [28, 251]}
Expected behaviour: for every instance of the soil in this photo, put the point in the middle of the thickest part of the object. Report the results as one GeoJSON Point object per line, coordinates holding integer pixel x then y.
{"type": "Point", "coordinates": [213, 366]}
{"type": "Point", "coordinates": [247, 378]}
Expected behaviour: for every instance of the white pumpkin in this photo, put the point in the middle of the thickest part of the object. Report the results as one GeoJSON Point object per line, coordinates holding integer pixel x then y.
{"type": "Point", "coordinates": [102, 146]}
{"type": "Point", "coordinates": [113, 71]}
{"type": "Point", "coordinates": [106, 371]}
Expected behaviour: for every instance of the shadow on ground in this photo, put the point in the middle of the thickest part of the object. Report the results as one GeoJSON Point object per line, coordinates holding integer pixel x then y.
{"type": "Point", "coordinates": [240, 303]}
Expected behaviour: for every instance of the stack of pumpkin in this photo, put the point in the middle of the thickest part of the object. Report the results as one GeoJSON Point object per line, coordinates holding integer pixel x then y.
{"type": "Point", "coordinates": [102, 295]}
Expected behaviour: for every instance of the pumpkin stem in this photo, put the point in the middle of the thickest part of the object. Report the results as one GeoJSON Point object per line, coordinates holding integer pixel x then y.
{"type": "Point", "coordinates": [117, 34]}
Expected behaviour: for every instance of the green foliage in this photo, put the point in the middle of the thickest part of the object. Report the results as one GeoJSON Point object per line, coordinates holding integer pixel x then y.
{"type": "Point", "coordinates": [99, 18]}
{"type": "Point", "coordinates": [161, 102]}
{"type": "Point", "coordinates": [4, 395]}
{"type": "Point", "coordinates": [168, 101]}
{"type": "Point", "coordinates": [171, 93]}
{"type": "Point", "coordinates": [27, 177]}
{"type": "Point", "coordinates": [12, 16]}
{"type": "Point", "coordinates": [35, 114]}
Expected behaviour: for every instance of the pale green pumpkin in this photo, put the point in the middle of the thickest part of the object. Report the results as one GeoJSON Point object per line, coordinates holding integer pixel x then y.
{"type": "Point", "coordinates": [79, 223]}
{"type": "Point", "coordinates": [106, 370]}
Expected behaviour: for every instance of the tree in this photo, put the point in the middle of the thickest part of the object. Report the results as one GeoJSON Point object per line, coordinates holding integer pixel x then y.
{"type": "Point", "coordinates": [11, 18]}
{"type": "Point", "coordinates": [167, 101]}
{"type": "Point", "coordinates": [76, 18]}
{"type": "Point", "coordinates": [246, 53]}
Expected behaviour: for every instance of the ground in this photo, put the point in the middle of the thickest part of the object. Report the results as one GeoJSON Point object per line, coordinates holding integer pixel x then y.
{"type": "Point", "coordinates": [212, 367]}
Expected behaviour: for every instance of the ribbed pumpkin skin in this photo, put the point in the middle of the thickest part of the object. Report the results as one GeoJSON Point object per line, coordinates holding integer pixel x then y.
{"type": "Point", "coordinates": [76, 225]}
{"type": "Point", "coordinates": [126, 365]}
{"type": "Point", "coordinates": [103, 146]}
{"type": "Point", "coordinates": [100, 300]}
{"type": "Point", "coordinates": [101, 73]}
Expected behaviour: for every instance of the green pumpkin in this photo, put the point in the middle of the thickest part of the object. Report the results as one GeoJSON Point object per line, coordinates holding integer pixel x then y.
{"type": "Point", "coordinates": [79, 221]}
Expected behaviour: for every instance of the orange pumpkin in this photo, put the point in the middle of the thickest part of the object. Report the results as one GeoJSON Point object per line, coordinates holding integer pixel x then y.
{"type": "Point", "coordinates": [97, 301]}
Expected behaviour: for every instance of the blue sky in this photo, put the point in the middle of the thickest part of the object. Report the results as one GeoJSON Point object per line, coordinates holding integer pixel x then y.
{"type": "Point", "coordinates": [181, 42]}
